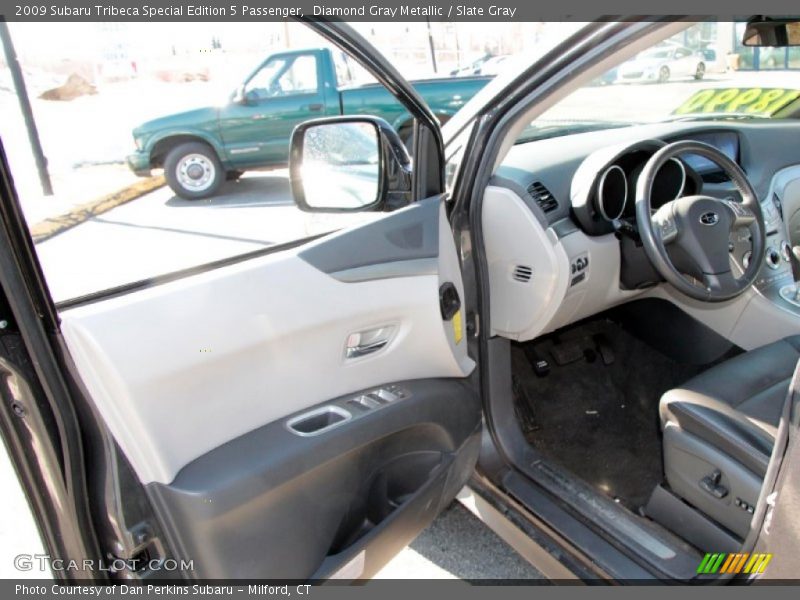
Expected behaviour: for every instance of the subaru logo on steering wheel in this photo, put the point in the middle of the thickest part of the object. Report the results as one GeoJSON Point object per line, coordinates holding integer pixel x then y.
{"type": "Point", "coordinates": [709, 218]}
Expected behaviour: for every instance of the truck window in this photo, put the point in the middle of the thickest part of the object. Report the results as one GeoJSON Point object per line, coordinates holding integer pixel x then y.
{"type": "Point", "coordinates": [344, 71]}
{"type": "Point", "coordinates": [349, 72]}
{"type": "Point", "coordinates": [284, 76]}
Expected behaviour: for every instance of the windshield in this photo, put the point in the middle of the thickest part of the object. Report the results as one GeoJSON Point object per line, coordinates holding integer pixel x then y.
{"type": "Point", "coordinates": [704, 73]}
{"type": "Point", "coordinates": [655, 53]}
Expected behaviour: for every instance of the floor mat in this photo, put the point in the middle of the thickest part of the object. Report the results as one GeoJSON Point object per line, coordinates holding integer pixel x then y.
{"type": "Point", "coordinates": [599, 421]}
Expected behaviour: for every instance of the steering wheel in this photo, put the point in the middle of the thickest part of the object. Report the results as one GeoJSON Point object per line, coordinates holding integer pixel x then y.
{"type": "Point", "coordinates": [697, 229]}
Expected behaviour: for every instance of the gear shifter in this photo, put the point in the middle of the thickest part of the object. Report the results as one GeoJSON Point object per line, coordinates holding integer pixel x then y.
{"type": "Point", "coordinates": [796, 271]}
{"type": "Point", "coordinates": [796, 262]}
{"type": "Point", "coordinates": [791, 292]}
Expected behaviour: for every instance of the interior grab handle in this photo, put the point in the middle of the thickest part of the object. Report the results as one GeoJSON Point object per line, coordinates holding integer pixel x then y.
{"type": "Point", "coordinates": [368, 341]}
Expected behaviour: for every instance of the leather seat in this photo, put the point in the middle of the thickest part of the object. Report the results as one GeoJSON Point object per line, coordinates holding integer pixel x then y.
{"type": "Point", "coordinates": [719, 430]}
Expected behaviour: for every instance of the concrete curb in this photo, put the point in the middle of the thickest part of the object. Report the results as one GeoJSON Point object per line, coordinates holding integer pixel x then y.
{"type": "Point", "coordinates": [51, 227]}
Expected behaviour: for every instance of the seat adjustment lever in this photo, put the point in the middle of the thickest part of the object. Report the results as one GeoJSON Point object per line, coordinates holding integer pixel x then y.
{"type": "Point", "coordinates": [711, 484]}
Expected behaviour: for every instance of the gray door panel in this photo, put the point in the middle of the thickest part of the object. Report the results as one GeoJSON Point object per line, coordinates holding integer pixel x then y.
{"type": "Point", "coordinates": [263, 456]}
{"type": "Point", "coordinates": [273, 504]}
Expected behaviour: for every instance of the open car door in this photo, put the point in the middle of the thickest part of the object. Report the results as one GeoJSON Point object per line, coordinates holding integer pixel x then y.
{"type": "Point", "coordinates": [299, 413]}
{"type": "Point", "coordinates": [777, 535]}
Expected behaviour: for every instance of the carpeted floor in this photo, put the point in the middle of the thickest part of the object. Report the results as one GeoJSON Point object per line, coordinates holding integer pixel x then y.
{"type": "Point", "coordinates": [599, 421]}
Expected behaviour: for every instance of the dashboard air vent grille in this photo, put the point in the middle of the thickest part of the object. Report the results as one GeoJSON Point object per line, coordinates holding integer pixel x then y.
{"type": "Point", "coordinates": [522, 273]}
{"type": "Point", "coordinates": [542, 196]}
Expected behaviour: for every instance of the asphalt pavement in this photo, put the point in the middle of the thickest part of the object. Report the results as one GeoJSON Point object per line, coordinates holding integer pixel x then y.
{"type": "Point", "coordinates": [160, 233]}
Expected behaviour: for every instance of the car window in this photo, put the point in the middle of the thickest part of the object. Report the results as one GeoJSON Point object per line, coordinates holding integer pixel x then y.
{"type": "Point", "coordinates": [261, 85]}
{"type": "Point", "coordinates": [115, 130]}
{"type": "Point", "coordinates": [300, 77]}
{"type": "Point", "coordinates": [165, 156]}
{"type": "Point", "coordinates": [350, 73]}
{"type": "Point", "coordinates": [656, 53]}
{"type": "Point", "coordinates": [284, 77]}
{"type": "Point", "coordinates": [344, 70]}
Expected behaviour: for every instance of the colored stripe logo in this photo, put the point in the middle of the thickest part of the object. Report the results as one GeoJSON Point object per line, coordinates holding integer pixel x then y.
{"type": "Point", "coordinates": [733, 563]}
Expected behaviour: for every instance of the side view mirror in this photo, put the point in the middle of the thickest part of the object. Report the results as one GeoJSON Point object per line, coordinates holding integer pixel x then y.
{"type": "Point", "coordinates": [349, 164]}
{"type": "Point", "coordinates": [778, 33]}
{"type": "Point", "coordinates": [240, 96]}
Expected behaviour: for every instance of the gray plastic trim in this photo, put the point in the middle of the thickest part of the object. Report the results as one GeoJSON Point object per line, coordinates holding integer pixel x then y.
{"type": "Point", "coordinates": [400, 268]}
{"type": "Point", "coordinates": [328, 409]}
{"type": "Point", "coordinates": [411, 233]}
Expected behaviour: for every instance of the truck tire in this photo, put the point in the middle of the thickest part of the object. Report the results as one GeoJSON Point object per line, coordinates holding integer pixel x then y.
{"type": "Point", "coordinates": [193, 171]}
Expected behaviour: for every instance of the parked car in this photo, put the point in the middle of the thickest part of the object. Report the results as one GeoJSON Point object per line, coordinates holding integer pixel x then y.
{"type": "Point", "coordinates": [199, 149]}
{"type": "Point", "coordinates": [663, 63]}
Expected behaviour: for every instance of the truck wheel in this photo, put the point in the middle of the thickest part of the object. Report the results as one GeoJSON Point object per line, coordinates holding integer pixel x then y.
{"type": "Point", "coordinates": [193, 171]}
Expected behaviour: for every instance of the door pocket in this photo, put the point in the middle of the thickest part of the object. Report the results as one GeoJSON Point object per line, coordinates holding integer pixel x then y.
{"type": "Point", "coordinates": [393, 485]}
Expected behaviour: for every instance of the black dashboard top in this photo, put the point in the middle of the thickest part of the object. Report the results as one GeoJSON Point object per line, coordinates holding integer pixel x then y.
{"type": "Point", "coordinates": [561, 173]}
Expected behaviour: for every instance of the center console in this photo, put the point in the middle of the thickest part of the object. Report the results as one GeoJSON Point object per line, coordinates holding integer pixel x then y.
{"type": "Point", "coordinates": [776, 281]}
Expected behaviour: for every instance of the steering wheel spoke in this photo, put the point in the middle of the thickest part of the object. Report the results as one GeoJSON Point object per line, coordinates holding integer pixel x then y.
{"type": "Point", "coordinates": [665, 224]}
{"type": "Point", "coordinates": [743, 216]}
{"type": "Point", "coordinates": [721, 283]}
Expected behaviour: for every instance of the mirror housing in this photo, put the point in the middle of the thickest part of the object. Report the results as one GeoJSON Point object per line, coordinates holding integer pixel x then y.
{"type": "Point", "coordinates": [766, 31]}
{"type": "Point", "coordinates": [240, 96]}
{"type": "Point", "coordinates": [377, 178]}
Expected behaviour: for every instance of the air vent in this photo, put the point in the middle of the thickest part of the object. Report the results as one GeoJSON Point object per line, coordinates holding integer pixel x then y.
{"type": "Point", "coordinates": [522, 273]}
{"type": "Point", "coordinates": [542, 196]}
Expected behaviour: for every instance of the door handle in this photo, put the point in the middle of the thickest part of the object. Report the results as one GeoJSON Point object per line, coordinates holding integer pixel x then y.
{"type": "Point", "coordinates": [368, 341]}
{"type": "Point", "coordinates": [315, 107]}
{"type": "Point", "coordinates": [364, 349]}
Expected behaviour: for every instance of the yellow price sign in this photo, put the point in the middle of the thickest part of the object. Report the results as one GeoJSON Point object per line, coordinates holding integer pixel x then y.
{"type": "Point", "coordinates": [758, 102]}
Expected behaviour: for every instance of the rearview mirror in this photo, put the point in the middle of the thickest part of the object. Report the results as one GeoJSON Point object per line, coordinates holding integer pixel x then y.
{"type": "Point", "coordinates": [772, 32]}
{"type": "Point", "coordinates": [348, 164]}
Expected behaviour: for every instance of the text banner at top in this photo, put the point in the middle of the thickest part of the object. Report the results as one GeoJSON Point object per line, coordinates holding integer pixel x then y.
{"type": "Point", "coordinates": [380, 10]}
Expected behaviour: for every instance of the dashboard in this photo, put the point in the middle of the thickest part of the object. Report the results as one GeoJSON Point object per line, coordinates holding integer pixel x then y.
{"type": "Point", "coordinates": [604, 187]}
{"type": "Point", "coordinates": [562, 210]}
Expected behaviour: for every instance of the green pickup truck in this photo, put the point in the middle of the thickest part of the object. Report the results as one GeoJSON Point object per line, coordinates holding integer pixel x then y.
{"type": "Point", "coordinates": [200, 148]}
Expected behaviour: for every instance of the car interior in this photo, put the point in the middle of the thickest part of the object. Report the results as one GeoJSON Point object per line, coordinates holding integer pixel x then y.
{"type": "Point", "coordinates": [642, 327]}
{"type": "Point", "coordinates": [644, 315]}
